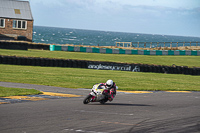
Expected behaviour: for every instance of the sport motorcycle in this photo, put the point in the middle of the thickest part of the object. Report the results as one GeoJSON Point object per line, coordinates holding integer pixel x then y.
{"type": "Point", "coordinates": [98, 93]}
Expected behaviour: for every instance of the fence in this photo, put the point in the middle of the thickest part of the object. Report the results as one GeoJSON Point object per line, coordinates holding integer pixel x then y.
{"type": "Point", "coordinates": [155, 44]}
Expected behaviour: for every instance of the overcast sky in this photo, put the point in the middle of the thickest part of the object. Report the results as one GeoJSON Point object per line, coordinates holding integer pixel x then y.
{"type": "Point", "coordinates": [166, 17]}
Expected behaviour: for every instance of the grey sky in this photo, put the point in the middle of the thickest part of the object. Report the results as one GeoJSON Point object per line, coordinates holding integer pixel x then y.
{"type": "Point", "coordinates": [168, 17]}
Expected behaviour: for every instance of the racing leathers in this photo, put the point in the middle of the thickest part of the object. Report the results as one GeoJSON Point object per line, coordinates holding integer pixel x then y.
{"type": "Point", "coordinates": [111, 91]}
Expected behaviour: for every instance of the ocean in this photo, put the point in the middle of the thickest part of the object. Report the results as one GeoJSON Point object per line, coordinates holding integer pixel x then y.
{"type": "Point", "coordinates": [55, 35]}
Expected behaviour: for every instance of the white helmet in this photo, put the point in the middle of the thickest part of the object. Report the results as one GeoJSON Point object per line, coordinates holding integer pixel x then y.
{"type": "Point", "coordinates": [109, 83]}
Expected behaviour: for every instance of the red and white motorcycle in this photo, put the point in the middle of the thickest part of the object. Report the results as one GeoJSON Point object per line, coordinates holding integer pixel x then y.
{"type": "Point", "coordinates": [98, 94]}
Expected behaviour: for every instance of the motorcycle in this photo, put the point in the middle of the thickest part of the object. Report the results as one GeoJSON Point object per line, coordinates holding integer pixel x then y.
{"type": "Point", "coordinates": [98, 94]}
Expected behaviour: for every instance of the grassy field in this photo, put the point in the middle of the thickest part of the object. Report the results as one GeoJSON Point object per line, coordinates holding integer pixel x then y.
{"type": "Point", "coordinates": [5, 91]}
{"type": "Point", "coordinates": [85, 78]}
{"type": "Point", "coordinates": [191, 61]}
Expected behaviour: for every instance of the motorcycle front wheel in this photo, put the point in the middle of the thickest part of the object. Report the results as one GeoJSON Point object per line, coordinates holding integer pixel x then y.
{"type": "Point", "coordinates": [87, 99]}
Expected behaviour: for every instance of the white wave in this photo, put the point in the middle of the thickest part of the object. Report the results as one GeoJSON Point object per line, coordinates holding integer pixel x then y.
{"type": "Point", "coordinates": [115, 39]}
{"type": "Point", "coordinates": [69, 39]}
{"type": "Point", "coordinates": [73, 37]}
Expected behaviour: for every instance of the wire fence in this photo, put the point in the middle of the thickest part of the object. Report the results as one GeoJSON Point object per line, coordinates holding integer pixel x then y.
{"type": "Point", "coordinates": [156, 44]}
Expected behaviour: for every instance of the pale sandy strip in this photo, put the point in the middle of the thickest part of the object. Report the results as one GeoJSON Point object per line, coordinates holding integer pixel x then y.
{"type": "Point", "coordinates": [60, 94]}
{"type": "Point", "coordinates": [136, 91]}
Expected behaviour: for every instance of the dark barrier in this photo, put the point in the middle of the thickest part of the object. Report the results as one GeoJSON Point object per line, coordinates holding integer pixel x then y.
{"type": "Point", "coordinates": [113, 66]}
{"type": "Point", "coordinates": [22, 46]}
{"type": "Point", "coordinates": [34, 61]}
{"type": "Point", "coordinates": [14, 45]}
{"type": "Point", "coordinates": [38, 46]}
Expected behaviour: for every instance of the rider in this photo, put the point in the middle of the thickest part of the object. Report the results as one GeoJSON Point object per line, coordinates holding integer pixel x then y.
{"type": "Point", "coordinates": [111, 87]}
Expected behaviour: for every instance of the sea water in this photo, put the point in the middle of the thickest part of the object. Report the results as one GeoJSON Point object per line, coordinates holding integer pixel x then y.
{"type": "Point", "coordinates": [53, 35]}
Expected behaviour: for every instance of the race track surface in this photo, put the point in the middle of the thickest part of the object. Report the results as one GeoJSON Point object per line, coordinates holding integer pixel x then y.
{"type": "Point", "coordinates": [160, 112]}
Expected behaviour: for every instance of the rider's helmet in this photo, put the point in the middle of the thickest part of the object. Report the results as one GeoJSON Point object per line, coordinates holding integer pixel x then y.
{"type": "Point", "coordinates": [109, 83]}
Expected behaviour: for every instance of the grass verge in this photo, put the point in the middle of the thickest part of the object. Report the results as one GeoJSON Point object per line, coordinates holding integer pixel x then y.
{"type": "Point", "coordinates": [86, 78]}
{"type": "Point", "coordinates": [5, 92]}
{"type": "Point", "coordinates": [191, 61]}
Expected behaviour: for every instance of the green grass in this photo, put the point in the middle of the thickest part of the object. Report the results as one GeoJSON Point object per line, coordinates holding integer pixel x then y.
{"type": "Point", "coordinates": [5, 92]}
{"type": "Point", "coordinates": [190, 61]}
{"type": "Point", "coordinates": [85, 78]}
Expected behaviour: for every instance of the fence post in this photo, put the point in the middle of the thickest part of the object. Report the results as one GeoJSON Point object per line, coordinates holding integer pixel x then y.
{"type": "Point", "coordinates": [151, 45]}
{"type": "Point", "coordinates": [196, 43]}
{"type": "Point", "coordinates": [138, 44]}
{"type": "Point", "coordinates": [177, 45]}
{"type": "Point", "coordinates": [183, 44]}
{"type": "Point", "coordinates": [171, 44]}
{"type": "Point", "coordinates": [144, 44]}
{"type": "Point", "coordinates": [190, 44]}
{"type": "Point", "coordinates": [164, 44]}
{"type": "Point", "coordinates": [157, 44]}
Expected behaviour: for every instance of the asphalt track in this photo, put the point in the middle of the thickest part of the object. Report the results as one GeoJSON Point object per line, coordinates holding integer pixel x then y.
{"type": "Point", "coordinates": [157, 112]}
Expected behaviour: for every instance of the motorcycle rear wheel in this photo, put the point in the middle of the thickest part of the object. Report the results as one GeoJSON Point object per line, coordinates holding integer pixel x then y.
{"type": "Point", "coordinates": [87, 99]}
{"type": "Point", "coordinates": [103, 101]}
